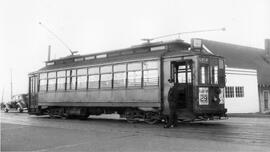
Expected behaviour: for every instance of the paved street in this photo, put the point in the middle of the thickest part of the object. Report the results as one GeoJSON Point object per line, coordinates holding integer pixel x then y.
{"type": "Point", "coordinates": [21, 132]}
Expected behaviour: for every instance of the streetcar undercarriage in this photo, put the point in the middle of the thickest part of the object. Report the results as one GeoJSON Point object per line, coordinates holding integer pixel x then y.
{"type": "Point", "coordinates": [132, 115]}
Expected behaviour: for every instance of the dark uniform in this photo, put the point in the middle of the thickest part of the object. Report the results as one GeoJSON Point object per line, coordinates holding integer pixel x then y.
{"type": "Point", "coordinates": [172, 99]}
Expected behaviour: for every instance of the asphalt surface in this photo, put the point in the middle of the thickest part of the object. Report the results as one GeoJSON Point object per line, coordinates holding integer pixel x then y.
{"type": "Point", "coordinates": [22, 132]}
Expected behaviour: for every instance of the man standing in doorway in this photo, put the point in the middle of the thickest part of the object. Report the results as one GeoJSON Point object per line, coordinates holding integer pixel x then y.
{"type": "Point", "coordinates": [172, 99]}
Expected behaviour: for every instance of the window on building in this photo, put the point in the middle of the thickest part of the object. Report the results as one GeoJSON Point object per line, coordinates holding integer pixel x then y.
{"type": "Point", "coordinates": [229, 92]}
{"type": "Point", "coordinates": [134, 74]}
{"type": "Point", "coordinates": [93, 78]}
{"type": "Point", "coordinates": [106, 77]}
{"type": "Point", "coordinates": [150, 73]}
{"type": "Point", "coordinates": [119, 76]}
{"type": "Point", "coordinates": [239, 91]}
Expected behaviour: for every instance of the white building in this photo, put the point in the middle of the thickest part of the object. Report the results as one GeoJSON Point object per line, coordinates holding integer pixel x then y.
{"type": "Point", "coordinates": [241, 94]}
{"type": "Point", "coordinates": [248, 69]}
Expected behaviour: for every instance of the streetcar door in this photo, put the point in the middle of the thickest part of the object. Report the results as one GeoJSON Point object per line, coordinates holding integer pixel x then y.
{"type": "Point", "coordinates": [33, 90]}
{"type": "Point", "coordinates": [181, 74]}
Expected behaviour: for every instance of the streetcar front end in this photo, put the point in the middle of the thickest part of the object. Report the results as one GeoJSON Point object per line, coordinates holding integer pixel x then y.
{"type": "Point", "coordinates": [209, 92]}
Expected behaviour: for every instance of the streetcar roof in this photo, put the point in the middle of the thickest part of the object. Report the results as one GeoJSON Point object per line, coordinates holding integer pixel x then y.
{"type": "Point", "coordinates": [134, 53]}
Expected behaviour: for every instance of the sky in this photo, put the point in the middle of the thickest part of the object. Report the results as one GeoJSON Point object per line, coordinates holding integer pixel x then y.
{"type": "Point", "coordinates": [91, 26]}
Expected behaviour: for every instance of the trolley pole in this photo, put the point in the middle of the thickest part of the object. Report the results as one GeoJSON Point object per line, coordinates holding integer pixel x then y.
{"type": "Point", "coordinates": [148, 40]}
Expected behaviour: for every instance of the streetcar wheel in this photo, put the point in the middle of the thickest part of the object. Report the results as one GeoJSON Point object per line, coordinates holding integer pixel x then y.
{"type": "Point", "coordinates": [151, 118]}
{"type": "Point", "coordinates": [130, 116]}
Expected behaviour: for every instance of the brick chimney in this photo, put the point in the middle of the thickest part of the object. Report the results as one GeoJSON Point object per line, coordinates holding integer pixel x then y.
{"type": "Point", "coordinates": [267, 47]}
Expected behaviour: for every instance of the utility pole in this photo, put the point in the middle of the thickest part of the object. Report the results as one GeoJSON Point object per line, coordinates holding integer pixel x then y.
{"type": "Point", "coordinates": [11, 91]}
{"type": "Point", "coordinates": [49, 53]}
{"type": "Point", "coordinates": [148, 40]}
{"type": "Point", "coordinates": [3, 90]}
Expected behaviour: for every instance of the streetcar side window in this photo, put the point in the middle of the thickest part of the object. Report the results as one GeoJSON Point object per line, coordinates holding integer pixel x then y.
{"type": "Point", "coordinates": [93, 78]}
{"type": "Point", "coordinates": [51, 81]}
{"type": "Point", "coordinates": [61, 80]}
{"type": "Point", "coordinates": [71, 79]}
{"type": "Point", "coordinates": [150, 73]}
{"type": "Point", "coordinates": [134, 74]}
{"type": "Point", "coordinates": [82, 78]}
{"type": "Point", "coordinates": [43, 82]}
{"type": "Point", "coordinates": [106, 77]}
{"type": "Point", "coordinates": [119, 76]}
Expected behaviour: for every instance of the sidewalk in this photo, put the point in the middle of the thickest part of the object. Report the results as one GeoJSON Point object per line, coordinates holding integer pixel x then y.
{"type": "Point", "coordinates": [249, 115]}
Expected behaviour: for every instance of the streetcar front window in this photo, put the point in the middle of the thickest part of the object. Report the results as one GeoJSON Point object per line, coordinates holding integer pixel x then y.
{"type": "Point", "coordinates": [204, 74]}
{"type": "Point", "coordinates": [215, 73]}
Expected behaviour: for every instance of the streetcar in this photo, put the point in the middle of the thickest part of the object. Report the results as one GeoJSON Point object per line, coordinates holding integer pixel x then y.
{"type": "Point", "coordinates": [132, 82]}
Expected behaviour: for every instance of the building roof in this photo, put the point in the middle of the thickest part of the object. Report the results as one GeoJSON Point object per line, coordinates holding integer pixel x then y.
{"type": "Point", "coordinates": [237, 56]}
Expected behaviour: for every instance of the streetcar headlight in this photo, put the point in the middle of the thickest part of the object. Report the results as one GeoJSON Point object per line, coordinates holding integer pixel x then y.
{"type": "Point", "coordinates": [221, 96]}
{"type": "Point", "coordinates": [203, 96]}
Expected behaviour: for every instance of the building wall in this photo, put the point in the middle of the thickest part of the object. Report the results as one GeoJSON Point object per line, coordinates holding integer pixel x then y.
{"type": "Point", "coordinates": [264, 106]}
{"type": "Point", "coordinates": [246, 78]}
